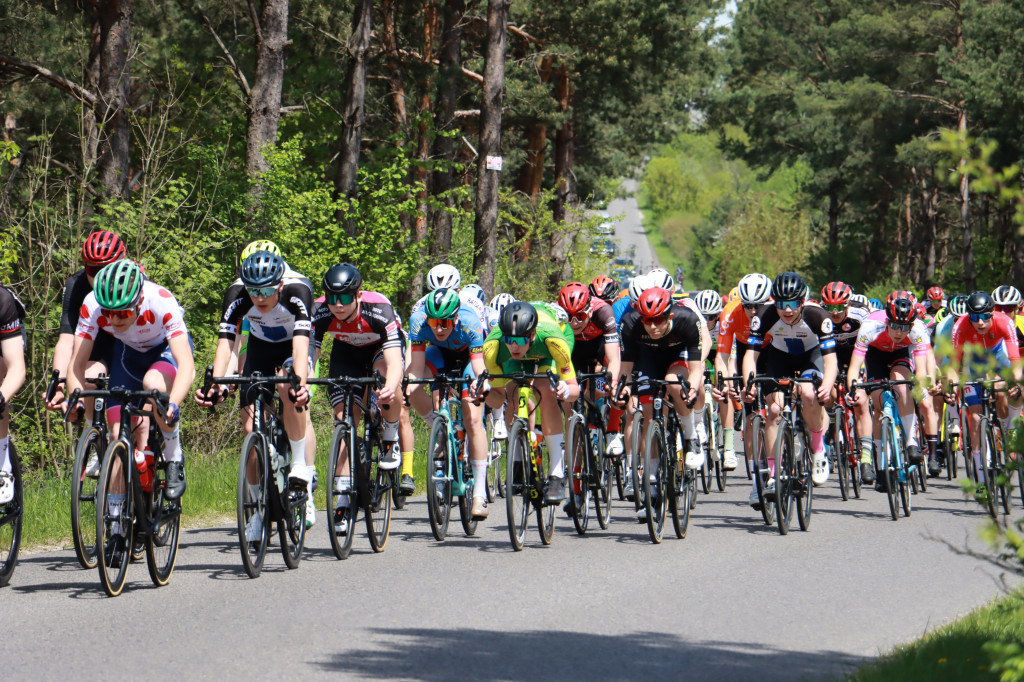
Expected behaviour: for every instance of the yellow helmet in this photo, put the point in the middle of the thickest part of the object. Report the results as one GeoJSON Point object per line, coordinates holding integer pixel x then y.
{"type": "Point", "coordinates": [261, 245]}
{"type": "Point", "coordinates": [734, 293]}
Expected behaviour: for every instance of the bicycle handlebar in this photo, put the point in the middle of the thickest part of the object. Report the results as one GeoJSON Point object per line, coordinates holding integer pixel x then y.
{"type": "Point", "coordinates": [161, 399]}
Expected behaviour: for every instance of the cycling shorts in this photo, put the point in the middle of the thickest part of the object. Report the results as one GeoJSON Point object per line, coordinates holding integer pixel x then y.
{"type": "Point", "coordinates": [773, 362]}
{"type": "Point", "coordinates": [655, 364]}
{"type": "Point", "coordinates": [267, 358]}
{"type": "Point", "coordinates": [130, 367]}
{"type": "Point", "coordinates": [446, 361]}
{"type": "Point", "coordinates": [878, 364]}
{"type": "Point", "coordinates": [590, 352]}
{"type": "Point", "coordinates": [347, 361]}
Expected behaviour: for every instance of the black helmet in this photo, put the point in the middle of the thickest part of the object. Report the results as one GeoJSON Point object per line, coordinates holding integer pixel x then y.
{"type": "Point", "coordinates": [262, 269]}
{"type": "Point", "coordinates": [518, 318]}
{"type": "Point", "coordinates": [789, 286]}
{"type": "Point", "coordinates": [979, 303]}
{"type": "Point", "coordinates": [342, 278]}
{"type": "Point", "coordinates": [901, 311]}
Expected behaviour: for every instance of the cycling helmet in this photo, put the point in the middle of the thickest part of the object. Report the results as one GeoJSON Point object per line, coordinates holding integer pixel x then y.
{"type": "Point", "coordinates": [901, 311]}
{"type": "Point", "coordinates": [654, 302]}
{"type": "Point", "coordinates": [443, 276]}
{"type": "Point", "coordinates": [836, 293]}
{"type": "Point", "coordinates": [755, 289]}
{"type": "Point", "coordinates": [561, 317]}
{"type": "Point", "coordinates": [734, 293]}
{"type": "Point", "coordinates": [442, 304]}
{"type": "Point", "coordinates": [499, 302]}
{"type": "Point", "coordinates": [957, 305]}
{"type": "Point", "coordinates": [262, 269]}
{"type": "Point", "coordinates": [1006, 295]}
{"type": "Point", "coordinates": [102, 248]}
{"type": "Point", "coordinates": [342, 278]}
{"type": "Point", "coordinates": [789, 286]}
{"type": "Point", "coordinates": [875, 304]}
{"type": "Point", "coordinates": [659, 277]}
{"type": "Point", "coordinates": [261, 245]}
{"type": "Point", "coordinates": [519, 318]}
{"type": "Point", "coordinates": [477, 291]}
{"type": "Point", "coordinates": [574, 298]}
{"type": "Point", "coordinates": [603, 287]}
{"type": "Point", "coordinates": [935, 294]}
{"type": "Point", "coordinates": [118, 286]}
{"type": "Point", "coordinates": [708, 302]}
{"type": "Point", "coordinates": [637, 286]}
{"type": "Point", "coordinates": [979, 303]}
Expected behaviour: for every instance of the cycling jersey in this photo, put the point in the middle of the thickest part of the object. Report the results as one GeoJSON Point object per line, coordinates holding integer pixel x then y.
{"type": "Point", "coordinates": [374, 325]}
{"type": "Point", "coordinates": [846, 332]}
{"type": "Point", "coordinates": [684, 334]}
{"type": "Point", "coordinates": [12, 312]}
{"type": "Point", "coordinates": [812, 329]}
{"type": "Point", "coordinates": [468, 334]}
{"type": "Point", "coordinates": [734, 326]}
{"type": "Point", "coordinates": [602, 323]}
{"type": "Point", "coordinates": [1018, 323]}
{"type": "Point", "coordinates": [999, 341]}
{"type": "Point", "coordinates": [75, 290]}
{"type": "Point", "coordinates": [552, 348]}
{"type": "Point", "coordinates": [159, 320]}
{"type": "Point", "coordinates": [874, 334]}
{"type": "Point", "coordinates": [620, 308]}
{"type": "Point", "coordinates": [289, 317]}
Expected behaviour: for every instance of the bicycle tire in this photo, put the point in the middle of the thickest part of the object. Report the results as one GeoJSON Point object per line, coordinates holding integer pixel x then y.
{"type": "Point", "coordinates": [114, 474]}
{"type": "Point", "coordinates": [466, 505]}
{"type": "Point", "coordinates": [988, 456]}
{"type": "Point", "coordinates": [840, 447]}
{"type": "Point", "coordinates": [292, 526]}
{"type": "Point", "coordinates": [805, 494]}
{"type": "Point", "coordinates": [517, 494]}
{"type": "Point", "coordinates": [655, 497]}
{"type": "Point", "coordinates": [496, 451]}
{"type": "Point", "coordinates": [854, 459]}
{"type": "Point", "coordinates": [377, 512]}
{"type": "Point", "coordinates": [785, 472]}
{"type": "Point", "coordinates": [545, 512]}
{"type": "Point", "coordinates": [636, 465]}
{"type": "Point", "coordinates": [83, 498]}
{"type": "Point", "coordinates": [439, 488]}
{"type": "Point", "coordinates": [921, 472]}
{"type": "Point", "coordinates": [679, 501]}
{"type": "Point", "coordinates": [11, 517]}
{"type": "Point", "coordinates": [762, 470]}
{"type": "Point", "coordinates": [707, 469]}
{"type": "Point", "coordinates": [721, 475]}
{"type": "Point", "coordinates": [341, 545]}
{"type": "Point", "coordinates": [162, 543]}
{"type": "Point", "coordinates": [620, 477]}
{"type": "Point", "coordinates": [603, 473]}
{"type": "Point", "coordinates": [578, 473]}
{"type": "Point", "coordinates": [887, 468]}
{"type": "Point", "coordinates": [253, 503]}
{"type": "Point", "coordinates": [1000, 465]}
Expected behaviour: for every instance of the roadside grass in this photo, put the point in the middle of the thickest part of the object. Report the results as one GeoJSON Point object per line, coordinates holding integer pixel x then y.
{"type": "Point", "coordinates": [954, 651]}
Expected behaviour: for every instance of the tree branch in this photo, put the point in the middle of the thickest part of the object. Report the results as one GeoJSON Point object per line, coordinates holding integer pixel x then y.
{"type": "Point", "coordinates": [239, 76]}
{"type": "Point", "coordinates": [80, 93]}
{"type": "Point", "coordinates": [256, 22]}
{"type": "Point", "coordinates": [472, 75]}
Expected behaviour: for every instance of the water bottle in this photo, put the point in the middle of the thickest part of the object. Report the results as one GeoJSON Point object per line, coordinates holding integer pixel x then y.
{"type": "Point", "coordinates": [142, 465]}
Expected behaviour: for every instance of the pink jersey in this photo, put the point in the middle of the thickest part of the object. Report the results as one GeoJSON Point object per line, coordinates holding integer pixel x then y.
{"type": "Point", "coordinates": [159, 320]}
{"type": "Point", "coordinates": [1000, 340]}
{"type": "Point", "coordinates": [874, 333]}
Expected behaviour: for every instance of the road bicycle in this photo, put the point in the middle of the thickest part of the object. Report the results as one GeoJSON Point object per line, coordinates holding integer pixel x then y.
{"type": "Point", "coordinates": [712, 473]}
{"type": "Point", "coordinates": [893, 467]}
{"type": "Point", "coordinates": [995, 481]}
{"type": "Point", "coordinates": [375, 488]}
{"type": "Point", "coordinates": [497, 448]}
{"type": "Point", "coordinates": [131, 506]}
{"type": "Point", "coordinates": [845, 444]}
{"type": "Point", "coordinates": [11, 516]}
{"type": "Point", "coordinates": [589, 469]}
{"type": "Point", "coordinates": [263, 495]}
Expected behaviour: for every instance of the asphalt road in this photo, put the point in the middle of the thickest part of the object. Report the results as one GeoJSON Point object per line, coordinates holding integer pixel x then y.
{"type": "Point", "coordinates": [731, 601]}
{"type": "Point", "coordinates": [629, 231]}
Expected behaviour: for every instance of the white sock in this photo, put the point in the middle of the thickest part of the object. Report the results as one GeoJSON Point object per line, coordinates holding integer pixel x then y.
{"type": "Point", "coordinates": [88, 422]}
{"type": "Point", "coordinates": [298, 452]}
{"type": "Point", "coordinates": [342, 484]}
{"type": "Point", "coordinates": [5, 460]}
{"type": "Point", "coordinates": [114, 505]}
{"type": "Point", "coordinates": [979, 465]}
{"type": "Point", "coordinates": [688, 429]}
{"type": "Point", "coordinates": [555, 454]}
{"type": "Point", "coordinates": [728, 436]}
{"type": "Point", "coordinates": [254, 491]}
{"type": "Point", "coordinates": [480, 479]}
{"type": "Point", "coordinates": [498, 414]}
{"type": "Point", "coordinates": [1014, 413]}
{"type": "Point", "coordinates": [880, 452]}
{"type": "Point", "coordinates": [910, 427]}
{"type": "Point", "coordinates": [172, 445]}
{"type": "Point", "coordinates": [390, 431]}
{"type": "Point", "coordinates": [698, 420]}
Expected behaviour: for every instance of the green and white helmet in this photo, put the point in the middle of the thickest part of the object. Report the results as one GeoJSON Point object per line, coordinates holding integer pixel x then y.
{"type": "Point", "coordinates": [261, 245]}
{"type": "Point", "coordinates": [442, 304]}
{"type": "Point", "coordinates": [118, 286]}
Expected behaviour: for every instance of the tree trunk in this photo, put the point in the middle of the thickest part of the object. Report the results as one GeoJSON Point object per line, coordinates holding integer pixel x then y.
{"type": "Point", "coordinates": [265, 100]}
{"type": "Point", "coordinates": [565, 182]}
{"type": "Point", "coordinates": [967, 242]}
{"type": "Point", "coordinates": [345, 182]}
{"type": "Point", "coordinates": [114, 157]}
{"type": "Point", "coordinates": [420, 173]}
{"type": "Point", "coordinates": [91, 81]}
{"type": "Point", "coordinates": [448, 72]}
{"type": "Point", "coordinates": [485, 224]}
{"type": "Point", "coordinates": [930, 230]}
{"type": "Point", "coordinates": [390, 41]}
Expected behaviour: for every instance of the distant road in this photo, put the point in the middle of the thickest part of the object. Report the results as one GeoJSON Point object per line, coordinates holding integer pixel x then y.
{"type": "Point", "coordinates": [630, 231]}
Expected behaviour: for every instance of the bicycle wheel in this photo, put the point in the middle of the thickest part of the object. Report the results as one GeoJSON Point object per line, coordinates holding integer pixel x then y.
{"type": "Point", "coordinates": [803, 487]}
{"type": "Point", "coordinates": [785, 475]}
{"type": "Point", "coordinates": [721, 475]}
{"type": "Point", "coordinates": [112, 527]}
{"type": "Point", "coordinates": [621, 474]}
{"type": "Point", "coordinates": [164, 517]}
{"type": "Point", "coordinates": [578, 473]}
{"type": "Point", "coordinates": [921, 473]}
{"type": "Point", "coordinates": [602, 472]}
{"type": "Point", "coordinates": [378, 506]}
{"type": "Point", "coordinates": [988, 461]}
{"type": "Point", "coordinates": [466, 503]}
{"type": "Point", "coordinates": [637, 465]}
{"type": "Point", "coordinates": [999, 463]}
{"type": "Point", "coordinates": [840, 446]}
{"type": "Point", "coordinates": [887, 466]}
{"type": "Point", "coordinates": [341, 545]}
{"type": "Point", "coordinates": [655, 497]}
{"type": "Point", "coordinates": [496, 451]}
{"type": "Point", "coordinates": [439, 479]}
{"type": "Point", "coordinates": [83, 498]}
{"type": "Point", "coordinates": [545, 512]}
{"type": "Point", "coordinates": [252, 504]}
{"type": "Point", "coordinates": [11, 515]}
{"type": "Point", "coordinates": [292, 527]}
{"type": "Point", "coordinates": [853, 450]}
{"type": "Point", "coordinates": [680, 498]}
{"type": "Point", "coordinates": [518, 486]}
{"type": "Point", "coordinates": [707, 470]}
{"type": "Point", "coordinates": [762, 471]}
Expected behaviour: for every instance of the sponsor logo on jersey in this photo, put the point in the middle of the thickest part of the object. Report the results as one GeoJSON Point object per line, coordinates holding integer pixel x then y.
{"type": "Point", "coordinates": [755, 323]}
{"type": "Point", "coordinates": [826, 326]}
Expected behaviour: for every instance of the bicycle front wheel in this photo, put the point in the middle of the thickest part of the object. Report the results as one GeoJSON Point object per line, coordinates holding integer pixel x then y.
{"type": "Point", "coordinates": [496, 452]}
{"type": "Point", "coordinates": [762, 471]}
{"type": "Point", "coordinates": [83, 497]}
{"type": "Point", "coordinates": [545, 512]}
{"type": "Point", "coordinates": [466, 501]}
{"type": "Point", "coordinates": [518, 485]}
{"type": "Point", "coordinates": [341, 505]}
{"type": "Point", "coordinates": [11, 515]}
{"type": "Point", "coordinates": [378, 506]}
{"type": "Point", "coordinates": [989, 463]}
{"type": "Point", "coordinates": [578, 473]}
{"type": "Point", "coordinates": [654, 481]}
{"type": "Point", "coordinates": [114, 522]}
{"type": "Point", "coordinates": [636, 468]}
{"type": "Point", "coordinates": [887, 467]}
{"type": "Point", "coordinates": [252, 501]}
{"type": "Point", "coordinates": [785, 473]}
{"type": "Point", "coordinates": [1000, 461]}
{"type": "Point", "coordinates": [602, 473]}
{"type": "Point", "coordinates": [803, 487]}
{"type": "Point", "coordinates": [841, 448]}
{"type": "Point", "coordinates": [439, 479]}
{"type": "Point", "coordinates": [165, 521]}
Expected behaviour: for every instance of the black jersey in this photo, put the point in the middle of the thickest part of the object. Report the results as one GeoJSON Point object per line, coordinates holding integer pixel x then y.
{"type": "Point", "coordinates": [75, 290]}
{"type": "Point", "coordinates": [12, 312]}
{"type": "Point", "coordinates": [289, 317]}
{"type": "Point", "coordinates": [683, 334]}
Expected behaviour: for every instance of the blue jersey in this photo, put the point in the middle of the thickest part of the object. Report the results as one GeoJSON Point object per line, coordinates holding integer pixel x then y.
{"type": "Point", "coordinates": [620, 308]}
{"type": "Point", "coordinates": [468, 334]}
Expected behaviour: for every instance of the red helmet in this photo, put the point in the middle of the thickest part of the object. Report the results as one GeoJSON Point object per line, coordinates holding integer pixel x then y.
{"type": "Point", "coordinates": [574, 298]}
{"type": "Point", "coordinates": [102, 248]}
{"type": "Point", "coordinates": [935, 294]}
{"type": "Point", "coordinates": [899, 294]}
{"type": "Point", "coordinates": [836, 293]}
{"type": "Point", "coordinates": [654, 302]}
{"type": "Point", "coordinates": [901, 311]}
{"type": "Point", "coordinates": [603, 287]}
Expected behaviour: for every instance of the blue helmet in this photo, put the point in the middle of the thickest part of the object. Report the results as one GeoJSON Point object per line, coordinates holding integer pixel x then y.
{"type": "Point", "coordinates": [874, 304]}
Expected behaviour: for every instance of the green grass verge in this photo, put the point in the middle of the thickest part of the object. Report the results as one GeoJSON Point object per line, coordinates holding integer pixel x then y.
{"type": "Point", "coordinates": [956, 651]}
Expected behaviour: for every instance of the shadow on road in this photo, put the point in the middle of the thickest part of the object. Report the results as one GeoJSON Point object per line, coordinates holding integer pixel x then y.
{"type": "Point", "coordinates": [426, 654]}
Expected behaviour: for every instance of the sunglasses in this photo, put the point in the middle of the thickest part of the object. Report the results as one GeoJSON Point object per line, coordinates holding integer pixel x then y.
{"type": "Point", "coordinates": [899, 327]}
{"type": "Point", "coordinates": [980, 317]}
{"type": "Point", "coordinates": [580, 318]}
{"type": "Point", "coordinates": [1007, 309]}
{"type": "Point", "coordinates": [118, 314]}
{"type": "Point", "coordinates": [440, 324]}
{"type": "Point", "coordinates": [655, 321]}
{"type": "Point", "coordinates": [92, 270]}
{"type": "Point", "coordinates": [340, 299]}
{"type": "Point", "coordinates": [516, 340]}
{"type": "Point", "coordinates": [835, 307]}
{"type": "Point", "coordinates": [788, 305]}
{"type": "Point", "coordinates": [265, 292]}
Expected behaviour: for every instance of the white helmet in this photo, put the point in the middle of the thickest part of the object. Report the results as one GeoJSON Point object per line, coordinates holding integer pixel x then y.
{"type": "Point", "coordinates": [709, 302]}
{"type": "Point", "coordinates": [1006, 294]}
{"type": "Point", "coordinates": [561, 316]}
{"type": "Point", "coordinates": [859, 298]}
{"type": "Point", "coordinates": [499, 302]}
{"type": "Point", "coordinates": [476, 291]}
{"type": "Point", "coordinates": [444, 276]}
{"type": "Point", "coordinates": [637, 286]}
{"type": "Point", "coordinates": [659, 277]}
{"type": "Point", "coordinates": [755, 289]}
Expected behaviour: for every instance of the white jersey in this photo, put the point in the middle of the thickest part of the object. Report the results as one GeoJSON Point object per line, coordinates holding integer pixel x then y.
{"type": "Point", "coordinates": [159, 320]}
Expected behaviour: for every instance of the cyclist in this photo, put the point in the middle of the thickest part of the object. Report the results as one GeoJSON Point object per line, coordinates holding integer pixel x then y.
{"type": "Point", "coordinates": [875, 304]}
{"type": "Point", "coordinates": [99, 249]}
{"type": "Point", "coordinates": [604, 288]}
{"type": "Point", "coordinates": [942, 347]}
{"type": "Point", "coordinates": [847, 316]}
{"type": "Point", "coordinates": [987, 338]}
{"type": "Point", "coordinates": [277, 303]}
{"type": "Point", "coordinates": [528, 336]}
{"type": "Point", "coordinates": [366, 337]}
{"type": "Point", "coordinates": [12, 378]}
{"type": "Point", "coordinates": [1007, 300]}
{"type": "Point", "coordinates": [885, 344]}
{"type": "Point", "coordinates": [936, 302]}
{"type": "Point", "coordinates": [786, 339]}
{"type": "Point", "coordinates": [447, 336]}
{"type": "Point", "coordinates": [710, 305]}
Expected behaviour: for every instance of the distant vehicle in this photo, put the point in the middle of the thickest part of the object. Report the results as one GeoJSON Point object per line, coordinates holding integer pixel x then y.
{"type": "Point", "coordinates": [604, 246]}
{"type": "Point", "coordinates": [606, 228]}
